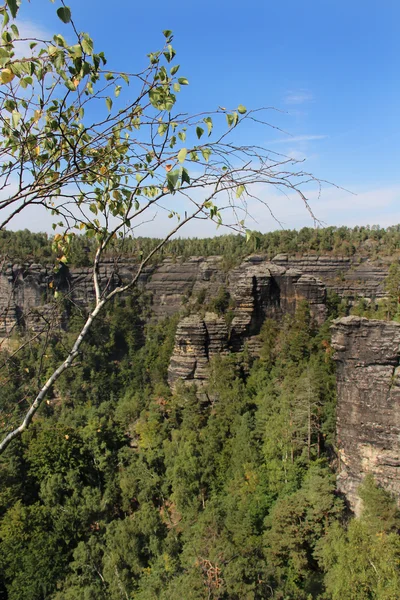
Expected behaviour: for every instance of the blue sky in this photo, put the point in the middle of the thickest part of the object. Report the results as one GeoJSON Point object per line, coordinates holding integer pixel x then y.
{"type": "Point", "coordinates": [331, 67]}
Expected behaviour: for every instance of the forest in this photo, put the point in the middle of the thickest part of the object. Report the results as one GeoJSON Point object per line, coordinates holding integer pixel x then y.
{"type": "Point", "coordinates": [123, 489]}
{"type": "Point", "coordinates": [373, 242]}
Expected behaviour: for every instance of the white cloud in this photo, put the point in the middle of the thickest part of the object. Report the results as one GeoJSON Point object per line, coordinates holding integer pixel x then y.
{"type": "Point", "coordinates": [298, 97]}
{"type": "Point", "coordinates": [378, 206]}
{"type": "Point", "coordinates": [28, 32]}
{"type": "Point", "coordinates": [298, 138]}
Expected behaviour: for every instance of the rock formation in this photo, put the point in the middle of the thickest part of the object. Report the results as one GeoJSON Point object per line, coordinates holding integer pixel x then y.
{"type": "Point", "coordinates": [368, 406]}
{"type": "Point", "coordinates": [258, 290]}
{"type": "Point", "coordinates": [26, 291]}
{"type": "Point", "coordinates": [197, 340]}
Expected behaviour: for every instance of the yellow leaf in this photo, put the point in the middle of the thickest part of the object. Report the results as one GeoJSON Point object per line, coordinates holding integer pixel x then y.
{"type": "Point", "coordinates": [103, 170]}
{"type": "Point", "coordinates": [6, 75]}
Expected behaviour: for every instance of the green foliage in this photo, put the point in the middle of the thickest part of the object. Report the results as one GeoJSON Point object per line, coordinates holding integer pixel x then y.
{"type": "Point", "coordinates": [361, 559]}
{"type": "Point", "coordinates": [221, 302]}
{"type": "Point", "coordinates": [367, 242]}
{"type": "Point", "coordinates": [123, 489]}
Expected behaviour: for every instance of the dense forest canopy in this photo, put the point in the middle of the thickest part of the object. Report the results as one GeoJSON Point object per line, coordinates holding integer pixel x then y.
{"type": "Point", "coordinates": [122, 489]}
{"type": "Point", "coordinates": [339, 241]}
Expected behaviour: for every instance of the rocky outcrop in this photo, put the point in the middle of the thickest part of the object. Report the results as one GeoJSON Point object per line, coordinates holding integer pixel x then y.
{"type": "Point", "coordinates": [258, 290]}
{"type": "Point", "coordinates": [368, 407]}
{"type": "Point", "coordinates": [197, 340]}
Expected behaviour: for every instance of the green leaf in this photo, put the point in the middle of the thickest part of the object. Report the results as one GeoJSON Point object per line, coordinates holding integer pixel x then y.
{"type": "Point", "coordinates": [70, 85]}
{"type": "Point", "coordinates": [109, 103]}
{"type": "Point", "coordinates": [206, 152]}
{"type": "Point", "coordinates": [209, 123]}
{"type": "Point", "coordinates": [199, 132]}
{"type": "Point", "coordinates": [172, 179]}
{"type": "Point", "coordinates": [175, 69]}
{"type": "Point", "coordinates": [6, 18]}
{"type": "Point", "coordinates": [182, 155]}
{"type": "Point", "coordinates": [182, 136]}
{"type": "Point", "coordinates": [185, 176]}
{"type": "Point", "coordinates": [125, 78]}
{"type": "Point", "coordinates": [183, 81]}
{"type": "Point", "coordinates": [117, 90]}
{"type": "Point", "coordinates": [242, 110]}
{"type": "Point", "coordinates": [162, 128]}
{"type": "Point", "coordinates": [177, 87]}
{"type": "Point", "coordinates": [75, 51]}
{"type": "Point", "coordinates": [232, 119]}
{"type": "Point", "coordinates": [60, 41]}
{"type": "Point", "coordinates": [64, 13]}
{"type": "Point", "coordinates": [87, 45]}
{"type": "Point", "coordinates": [167, 33]}
{"type": "Point", "coordinates": [13, 6]}
{"type": "Point", "coordinates": [169, 55]}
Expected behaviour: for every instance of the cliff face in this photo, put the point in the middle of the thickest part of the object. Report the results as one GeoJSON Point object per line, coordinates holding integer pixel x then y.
{"type": "Point", "coordinates": [258, 290]}
{"type": "Point", "coordinates": [26, 291]}
{"type": "Point", "coordinates": [350, 277]}
{"type": "Point", "coordinates": [368, 408]}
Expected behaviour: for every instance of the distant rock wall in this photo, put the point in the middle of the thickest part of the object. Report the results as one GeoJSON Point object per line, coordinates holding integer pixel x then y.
{"type": "Point", "coordinates": [350, 277]}
{"type": "Point", "coordinates": [259, 290]}
{"type": "Point", "coordinates": [27, 290]}
{"type": "Point", "coordinates": [368, 407]}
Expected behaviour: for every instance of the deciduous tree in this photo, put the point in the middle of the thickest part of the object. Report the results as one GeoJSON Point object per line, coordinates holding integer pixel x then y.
{"type": "Point", "coordinates": [102, 149]}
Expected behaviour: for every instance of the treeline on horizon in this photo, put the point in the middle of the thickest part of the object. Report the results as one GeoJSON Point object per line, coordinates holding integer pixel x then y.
{"type": "Point", "coordinates": [368, 241]}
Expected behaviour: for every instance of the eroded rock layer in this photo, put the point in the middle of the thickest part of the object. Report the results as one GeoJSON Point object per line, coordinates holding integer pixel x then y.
{"type": "Point", "coordinates": [368, 408]}
{"type": "Point", "coordinates": [258, 290]}
{"type": "Point", "coordinates": [27, 290]}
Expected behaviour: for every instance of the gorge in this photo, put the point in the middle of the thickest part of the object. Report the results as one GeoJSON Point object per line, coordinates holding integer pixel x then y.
{"type": "Point", "coordinates": [367, 352]}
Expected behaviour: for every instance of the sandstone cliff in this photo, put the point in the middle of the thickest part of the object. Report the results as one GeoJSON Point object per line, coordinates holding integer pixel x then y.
{"type": "Point", "coordinates": [368, 406]}
{"type": "Point", "coordinates": [258, 290]}
{"type": "Point", "coordinates": [27, 290]}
